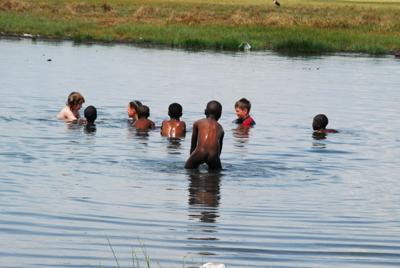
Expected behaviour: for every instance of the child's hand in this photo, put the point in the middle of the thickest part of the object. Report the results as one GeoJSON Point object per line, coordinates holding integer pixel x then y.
{"type": "Point", "coordinates": [82, 121]}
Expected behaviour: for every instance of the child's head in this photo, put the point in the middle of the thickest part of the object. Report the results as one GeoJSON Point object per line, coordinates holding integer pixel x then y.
{"type": "Point", "coordinates": [144, 111]}
{"type": "Point", "coordinates": [133, 108]}
{"type": "Point", "coordinates": [175, 111]}
{"type": "Point", "coordinates": [75, 100]}
{"type": "Point", "coordinates": [242, 108]}
{"type": "Point", "coordinates": [320, 121]}
{"type": "Point", "coordinates": [90, 114]}
{"type": "Point", "coordinates": [213, 109]}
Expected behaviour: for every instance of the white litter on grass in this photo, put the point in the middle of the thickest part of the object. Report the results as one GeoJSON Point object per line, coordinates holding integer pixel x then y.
{"type": "Point", "coordinates": [245, 46]}
{"type": "Point", "coordinates": [213, 265]}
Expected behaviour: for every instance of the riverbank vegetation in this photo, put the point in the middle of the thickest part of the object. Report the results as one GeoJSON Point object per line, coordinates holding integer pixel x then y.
{"type": "Point", "coordinates": [296, 26]}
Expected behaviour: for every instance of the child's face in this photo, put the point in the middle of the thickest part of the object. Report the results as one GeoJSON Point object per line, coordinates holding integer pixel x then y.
{"type": "Point", "coordinates": [76, 107]}
{"type": "Point", "coordinates": [131, 111]}
{"type": "Point", "coordinates": [241, 113]}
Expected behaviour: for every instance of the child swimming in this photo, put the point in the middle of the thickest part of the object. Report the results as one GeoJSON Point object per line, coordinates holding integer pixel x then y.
{"type": "Point", "coordinates": [174, 128]}
{"type": "Point", "coordinates": [242, 109]}
{"type": "Point", "coordinates": [319, 124]}
{"type": "Point", "coordinates": [70, 113]}
{"type": "Point", "coordinates": [207, 139]}
{"type": "Point", "coordinates": [133, 108]}
{"type": "Point", "coordinates": [90, 114]}
{"type": "Point", "coordinates": [143, 123]}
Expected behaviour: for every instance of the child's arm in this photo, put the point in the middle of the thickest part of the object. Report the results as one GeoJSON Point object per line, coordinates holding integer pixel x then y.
{"type": "Point", "coordinates": [67, 115]}
{"type": "Point", "coordinates": [162, 126]}
{"type": "Point", "coordinates": [221, 141]}
{"type": "Point", "coordinates": [184, 127]}
{"type": "Point", "coordinates": [194, 138]}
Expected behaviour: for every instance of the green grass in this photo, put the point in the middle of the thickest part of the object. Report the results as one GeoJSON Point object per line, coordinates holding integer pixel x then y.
{"type": "Point", "coordinates": [312, 26]}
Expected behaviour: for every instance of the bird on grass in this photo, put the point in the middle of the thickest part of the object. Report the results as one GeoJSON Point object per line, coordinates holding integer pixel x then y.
{"type": "Point", "coordinates": [276, 3]}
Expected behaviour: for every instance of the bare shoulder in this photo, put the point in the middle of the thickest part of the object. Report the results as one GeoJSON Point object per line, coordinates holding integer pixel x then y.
{"type": "Point", "coordinates": [197, 122]}
{"type": "Point", "coordinates": [66, 114]}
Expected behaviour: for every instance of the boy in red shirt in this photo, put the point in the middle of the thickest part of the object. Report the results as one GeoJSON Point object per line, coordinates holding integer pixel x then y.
{"type": "Point", "coordinates": [242, 109]}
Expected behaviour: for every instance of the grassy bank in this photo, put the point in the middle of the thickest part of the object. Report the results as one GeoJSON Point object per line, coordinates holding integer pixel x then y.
{"type": "Point", "coordinates": [296, 26]}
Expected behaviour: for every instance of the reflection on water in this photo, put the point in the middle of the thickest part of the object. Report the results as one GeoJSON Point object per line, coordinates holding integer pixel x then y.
{"type": "Point", "coordinates": [319, 135]}
{"type": "Point", "coordinates": [204, 195]}
{"type": "Point", "coordinates": [319, 140]}
{"type": "Point", "coordinates": [174, 145]}
{"type": "Point", "coordinates": [142, 135]}
{"type": "Point", "coordinates": [241, 133]}
{"type": "Point", "coordinates": [90, 129]}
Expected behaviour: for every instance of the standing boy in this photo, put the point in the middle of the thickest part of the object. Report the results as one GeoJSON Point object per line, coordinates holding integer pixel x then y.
{"type": "Point", "coordinates": [242, 109]}
{"type": "Point", "coordinates": [207, 138]}
{"type": "Point", "coordinates": [174, 128]}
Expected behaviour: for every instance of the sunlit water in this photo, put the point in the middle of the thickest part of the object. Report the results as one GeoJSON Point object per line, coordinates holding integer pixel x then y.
{"type": "Point", "coordinates": [283, 198]}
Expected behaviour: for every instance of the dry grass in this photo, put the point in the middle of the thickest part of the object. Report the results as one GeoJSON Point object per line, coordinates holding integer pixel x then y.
{"type": "Point", "coordinates": [318, 14]}
{"type": "Point", "coordinates": [356, 16]}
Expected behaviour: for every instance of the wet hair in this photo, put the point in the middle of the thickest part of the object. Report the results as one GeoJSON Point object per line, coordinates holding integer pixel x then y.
{"type": "Point", "coordinates": [175, 110]}
{"type": "Point", "coordinates": [243, 103]}
{"type": "Point", "coordinates": [75, 98]}
{"type": "Point", "coordinates": [135, 104]}
{"type": "Point", "coordinates": [320, 121]}
{"type": "Point", "coordinates": [214, 108]}
{"type": "Point", "coordinates": [144, 111]}
{"type": "Point", "coordinates": [90, 114]}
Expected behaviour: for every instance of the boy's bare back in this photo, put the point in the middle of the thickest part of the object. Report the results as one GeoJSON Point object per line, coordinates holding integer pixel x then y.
{"type": "Point", "coordinates": [144, 124]}
{"type": "Point", "coordinates": [207, 139]}
{"type": "Point", "coordinates": [173, 128]}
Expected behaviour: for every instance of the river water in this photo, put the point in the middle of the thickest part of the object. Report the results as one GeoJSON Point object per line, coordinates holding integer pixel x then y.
{"type": "Point", "coordinates": [69, 198]}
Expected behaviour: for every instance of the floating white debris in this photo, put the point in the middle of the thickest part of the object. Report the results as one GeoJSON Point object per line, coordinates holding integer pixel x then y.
{"type": "Point", "coordinates": [213, 265]}
{"type": "Point", "coordinates": [245, 46]}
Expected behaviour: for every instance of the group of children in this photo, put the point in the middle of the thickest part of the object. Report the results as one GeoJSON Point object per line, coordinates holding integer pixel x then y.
{"type": "Point", "coordinates": [207, 134]}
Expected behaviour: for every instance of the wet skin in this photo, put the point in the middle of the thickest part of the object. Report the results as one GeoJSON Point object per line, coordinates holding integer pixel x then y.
{"type": "Point", "coordinates": [206, 146]}
{"type": "Point", "coordinates": [173, 128]}
{"type": "Point", "coordinates": [144, 124]}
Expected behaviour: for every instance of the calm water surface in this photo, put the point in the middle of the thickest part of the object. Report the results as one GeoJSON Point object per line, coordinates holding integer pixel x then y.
{"type": "Point", "coordinates": [283, 198]}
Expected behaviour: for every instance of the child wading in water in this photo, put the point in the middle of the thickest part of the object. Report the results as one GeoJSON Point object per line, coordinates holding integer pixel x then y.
{"type": "Point", "coordinates": [70, 113]}
{"type": "Point", "coordinates": [242, 109]}
{"type": "Point", "coordinates": [133, 108]}
{"type": "Point", "coordinates": [143, 123]}
{"type": "Point", "coordinates": [207, 138]}
{"type": "Point", "coordinates": [90, 114]}
{"type": "Point", "coordinates": [174, 128]}
{"type": "Point", "coordinates": [319, 124]}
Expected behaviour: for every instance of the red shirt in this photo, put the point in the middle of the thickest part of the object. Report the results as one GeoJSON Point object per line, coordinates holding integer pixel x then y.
{"type": "Point", "coordinates": [247, 122]}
